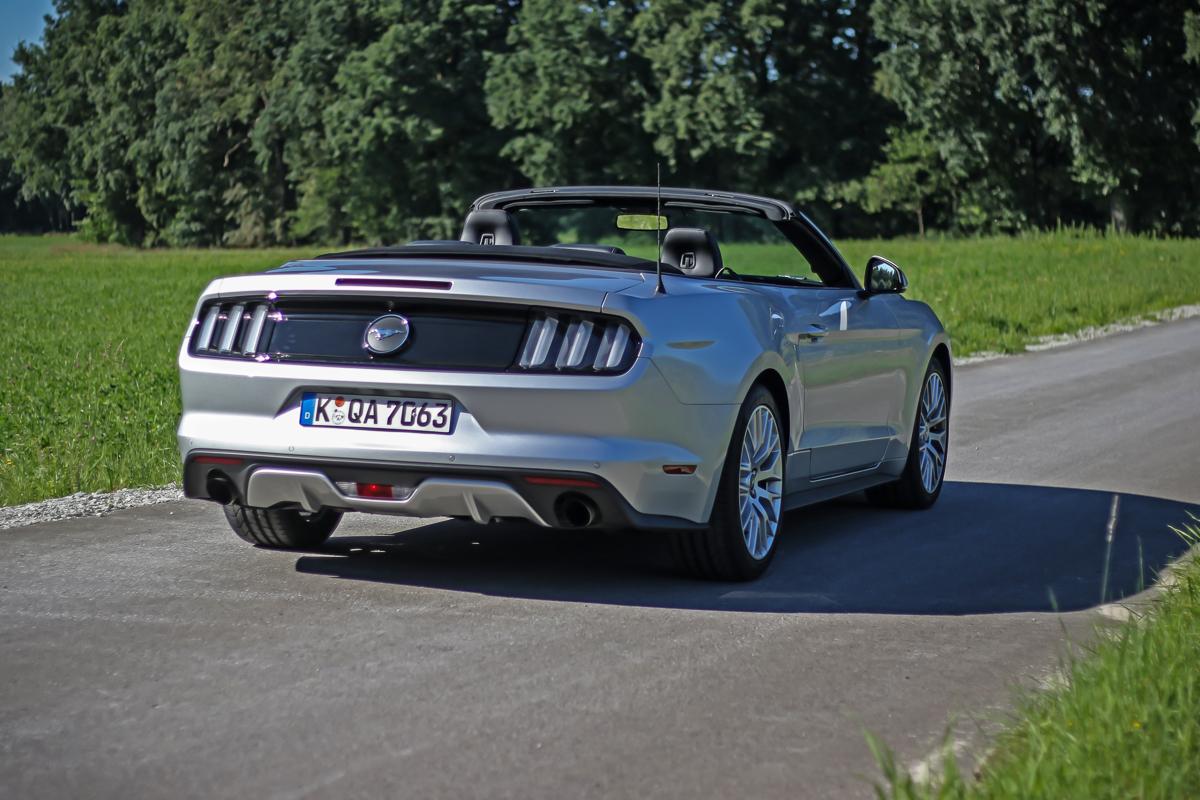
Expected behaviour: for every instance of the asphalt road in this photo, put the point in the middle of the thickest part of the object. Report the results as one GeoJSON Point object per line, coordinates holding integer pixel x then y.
{"type": "Point", "coordinates": [152, 654]}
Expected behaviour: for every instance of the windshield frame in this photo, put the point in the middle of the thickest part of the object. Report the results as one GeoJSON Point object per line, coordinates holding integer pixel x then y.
{"type": "Point", "coordinates": [816, 248]}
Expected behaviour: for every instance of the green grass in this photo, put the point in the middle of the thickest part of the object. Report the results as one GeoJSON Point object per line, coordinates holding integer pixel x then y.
{"type": "Point", "coordinates": [88, 339]}
{"type": "Point", "coordinates": [89, 333]}
{"type": "Point", "coordinates": [1126, 725]}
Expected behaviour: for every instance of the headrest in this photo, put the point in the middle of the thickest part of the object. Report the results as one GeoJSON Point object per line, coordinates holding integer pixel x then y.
{"type": "Point", "coordinates": [490, 226]}
{"type": "Point", "coordinates": [693, 250]}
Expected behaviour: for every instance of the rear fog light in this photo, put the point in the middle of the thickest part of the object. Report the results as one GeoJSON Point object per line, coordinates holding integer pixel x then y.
{"type": "Point", "coordinates": [385, 491]}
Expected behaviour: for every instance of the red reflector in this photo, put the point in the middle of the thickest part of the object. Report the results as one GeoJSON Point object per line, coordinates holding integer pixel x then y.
{"type": "Point", "coordinates": [394, 283]}
{"type": "Point", "coordinates": [373, 490]}
{"type": "Point", "coordinates": [218, 460]}
{"type": "Point", "coordinates": [547, 480]}
{"type": "Point", "coordinates": [679, 469]}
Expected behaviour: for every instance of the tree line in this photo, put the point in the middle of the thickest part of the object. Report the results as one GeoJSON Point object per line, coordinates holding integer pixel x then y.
{"type": "Point", "coordinates": [249, 122]}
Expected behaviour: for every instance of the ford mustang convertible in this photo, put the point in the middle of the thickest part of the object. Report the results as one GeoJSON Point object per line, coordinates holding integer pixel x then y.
{"type": "Point", "coordinates": [583, 357]}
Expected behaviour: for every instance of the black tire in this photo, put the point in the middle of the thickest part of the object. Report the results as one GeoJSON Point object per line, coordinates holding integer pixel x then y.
{"type": "Point", "coordinates": [282, 528]}
{"type": "Point", "coordinates": [909, 491]}
{"type": "Point", "coordinates": [720, 551]}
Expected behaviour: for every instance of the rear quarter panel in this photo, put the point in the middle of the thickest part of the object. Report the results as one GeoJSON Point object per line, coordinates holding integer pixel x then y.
{"type": "Point", "coordinates": [710, 340]}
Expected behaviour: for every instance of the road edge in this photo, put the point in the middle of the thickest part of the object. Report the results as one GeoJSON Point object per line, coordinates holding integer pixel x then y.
{"type": "Point", "coordinates": [86, 504]}
{"type": "Point", "coordinates": [1091, 333]}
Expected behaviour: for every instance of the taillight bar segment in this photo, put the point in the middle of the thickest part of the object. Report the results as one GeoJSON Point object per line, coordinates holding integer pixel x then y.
{"type": "Point", "coordinates": [231, 329]}
{"type": "Point", "coordinates": [564, 342]}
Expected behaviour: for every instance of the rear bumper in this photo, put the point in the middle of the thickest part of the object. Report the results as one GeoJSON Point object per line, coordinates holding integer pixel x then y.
{"type": "Point", "coordinates": [481, 495]}
{"type": "Point", "coordinates": [620, 430]}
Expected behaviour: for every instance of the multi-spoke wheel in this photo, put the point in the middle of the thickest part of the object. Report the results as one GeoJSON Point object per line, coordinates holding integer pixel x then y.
{"type": "Point", "coordinates": [760, 482]}
{"type": "Point", "coordinates": [921, 481]}
{"type": "Point", "coordinates": [740, 539]}
{"type": "Point", "coordinates": [933, 425]}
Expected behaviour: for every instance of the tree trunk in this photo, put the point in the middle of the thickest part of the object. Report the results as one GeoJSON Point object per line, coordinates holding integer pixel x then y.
{"type": "Point", "coordinates": [1118, 206]}
{"type": "Point", "coordinates": [920, 221]}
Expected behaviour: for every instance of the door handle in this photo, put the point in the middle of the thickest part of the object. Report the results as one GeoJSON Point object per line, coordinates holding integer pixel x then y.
{"type": "Point", "coordinates": [815, 331]}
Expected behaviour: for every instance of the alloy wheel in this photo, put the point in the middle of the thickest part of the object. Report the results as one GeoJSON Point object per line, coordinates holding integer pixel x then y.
{"type": "Point", "coordinates": [760, 482]}
{"type": "Point", "coordinates": [932, 429]}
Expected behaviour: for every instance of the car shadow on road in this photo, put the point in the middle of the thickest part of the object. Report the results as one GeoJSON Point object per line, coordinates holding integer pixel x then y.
{"type": "Point", "coordinates": [984, 548]}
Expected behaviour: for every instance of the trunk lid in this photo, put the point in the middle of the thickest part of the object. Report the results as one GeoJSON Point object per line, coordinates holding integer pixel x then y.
{"type": "Point", "coordinates": [561, 286]}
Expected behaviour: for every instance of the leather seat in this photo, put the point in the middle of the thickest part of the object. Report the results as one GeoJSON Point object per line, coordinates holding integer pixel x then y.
{"type": "Point", "coordinates": [490, 226]}
{"type": "Point", "coordinates": [693, 250]}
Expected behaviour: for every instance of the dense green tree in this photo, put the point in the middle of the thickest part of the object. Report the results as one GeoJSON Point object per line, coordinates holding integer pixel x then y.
{"type": "Point", "coordinates": [910, 177]}
{"type": "Point", "coordinates": [1047, 111]}
{"type": "Point", "coordinates": [955, 68]}
{"type": "Point", "coordinates": [196, 122]}
{"type": "Point", "coordinates": [571, 87]}
{"type": "Point", "coordinates": [408, 132]}
{"type": "Point", "coordinates": [1115, 89]}
{"type": "Point", "coordinates": [773, 96]}
{"type": "Point", "coordinates": [301, 91]}
{"type": "Point", "coordinates": [124, 173]}
{"type": "Point", "coordinates": [47, 109]}
{"type": "Point", "coordinates": [713, 84]}
{"type": "Point", "coordinates": [220, 174]}
{"type": "Point", "coordinates": [1191, 29]}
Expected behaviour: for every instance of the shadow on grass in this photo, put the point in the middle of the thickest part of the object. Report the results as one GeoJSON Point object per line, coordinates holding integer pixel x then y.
{"type": "Point", "coordinates": [984, 548]}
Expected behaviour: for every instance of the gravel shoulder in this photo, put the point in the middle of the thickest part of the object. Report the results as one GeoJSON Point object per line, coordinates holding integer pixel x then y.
{"type": "Point", "coordinates": [85, 504]}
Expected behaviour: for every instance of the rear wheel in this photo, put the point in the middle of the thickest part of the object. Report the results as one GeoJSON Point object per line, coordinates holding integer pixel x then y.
{"type": "Point", "coordinates": [282, 528]}
{"type": "Point", "coordinates": [920, 484]}
{"type": "Point", "coordinates": [740, 539]}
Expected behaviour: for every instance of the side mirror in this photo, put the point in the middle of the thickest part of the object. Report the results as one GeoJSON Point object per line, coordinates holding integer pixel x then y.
{"type": "Point", "coordinates": [884, 277]}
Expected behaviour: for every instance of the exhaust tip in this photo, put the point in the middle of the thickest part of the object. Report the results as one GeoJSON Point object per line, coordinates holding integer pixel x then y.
{"type": "Point", "coordinates": [220, 488]}
{"type": "Point", "coordinates": [576, 511]}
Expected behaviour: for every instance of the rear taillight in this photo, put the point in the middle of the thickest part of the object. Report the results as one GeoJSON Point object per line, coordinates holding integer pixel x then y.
{"type": "Point", "coordinates": [562, 342]}
{"type": "Point", "coordinates": [231, 328]}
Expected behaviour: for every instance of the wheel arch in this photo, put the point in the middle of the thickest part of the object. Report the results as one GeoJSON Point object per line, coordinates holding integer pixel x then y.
{"type": "Point", "coordinates": [772, 381]}
{"type": "Point", "coordinates": [942, 353]}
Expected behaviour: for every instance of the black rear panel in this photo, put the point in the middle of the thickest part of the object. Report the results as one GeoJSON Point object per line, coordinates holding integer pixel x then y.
{"type": "Point", "coordinates": [442, 334]}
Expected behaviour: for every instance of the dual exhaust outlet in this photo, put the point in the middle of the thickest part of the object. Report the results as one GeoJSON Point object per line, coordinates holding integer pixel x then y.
{"type": "Point", "coordinates": [575, 510]}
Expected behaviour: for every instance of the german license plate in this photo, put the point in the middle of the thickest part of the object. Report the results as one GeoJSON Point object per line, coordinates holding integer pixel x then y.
{"type": "Point", "coordinates": [375, 413]}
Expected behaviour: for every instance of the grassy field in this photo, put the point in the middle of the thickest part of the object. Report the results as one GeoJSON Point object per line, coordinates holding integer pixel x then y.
{"type": "Point", "coordinates": [89, 333]}
{"type": "Point", "coordinates": [1126, 724]}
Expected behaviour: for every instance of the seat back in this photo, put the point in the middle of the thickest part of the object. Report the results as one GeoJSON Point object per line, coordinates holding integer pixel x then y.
{"type": "Point", "coordinates": [490, 226]}
{"type": "Point", "coordinates": [693, 250]}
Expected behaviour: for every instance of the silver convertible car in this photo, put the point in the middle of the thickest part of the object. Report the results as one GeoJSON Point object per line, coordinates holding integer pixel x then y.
{"type": "Point", "coordinates": [583, 357]}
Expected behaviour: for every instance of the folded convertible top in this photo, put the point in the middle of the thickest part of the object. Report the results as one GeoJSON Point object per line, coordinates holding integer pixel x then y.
{"type": "Point", "coordinates": [467, 251]}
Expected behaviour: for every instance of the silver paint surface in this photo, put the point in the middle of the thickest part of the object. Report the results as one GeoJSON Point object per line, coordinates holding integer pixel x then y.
{"type": "Point", "coordinates": [851, 365]}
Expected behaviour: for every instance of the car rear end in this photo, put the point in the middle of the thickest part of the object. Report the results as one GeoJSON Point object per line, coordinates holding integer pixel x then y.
{"type": "Point", "coordinates": [515, 393]}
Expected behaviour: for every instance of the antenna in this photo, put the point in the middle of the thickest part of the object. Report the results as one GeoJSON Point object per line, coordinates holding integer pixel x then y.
{"type": "Point", "coordinates": [659, 288]}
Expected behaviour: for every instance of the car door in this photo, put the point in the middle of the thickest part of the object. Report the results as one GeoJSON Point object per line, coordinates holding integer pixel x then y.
{"type": "Point", "coordinates": [847, 354]}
